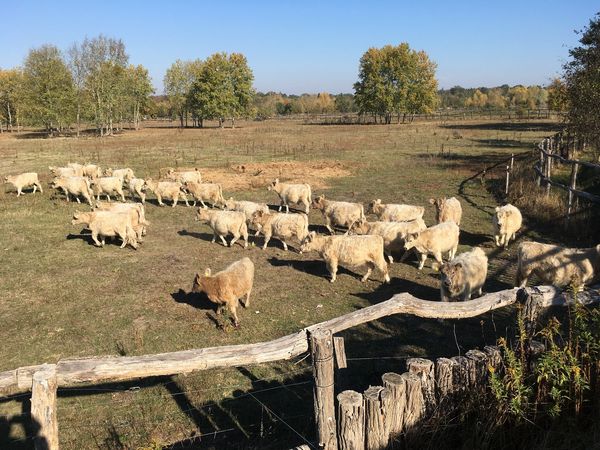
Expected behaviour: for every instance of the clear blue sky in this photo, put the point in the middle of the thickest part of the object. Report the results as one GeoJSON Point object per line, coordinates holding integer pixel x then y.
{"type": "Point", "coordinates": [314, 46]}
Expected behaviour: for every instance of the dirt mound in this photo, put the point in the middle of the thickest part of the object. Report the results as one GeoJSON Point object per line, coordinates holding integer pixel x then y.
{"type": "Point", "coordinates": [259, 175]}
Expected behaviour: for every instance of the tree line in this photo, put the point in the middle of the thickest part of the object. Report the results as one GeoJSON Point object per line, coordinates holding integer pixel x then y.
{"type": "Point", "coordinates": [92, 82]}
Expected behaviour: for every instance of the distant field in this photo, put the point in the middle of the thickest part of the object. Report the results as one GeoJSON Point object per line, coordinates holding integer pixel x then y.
{"type": "Point", "coordinates": [62, 297]}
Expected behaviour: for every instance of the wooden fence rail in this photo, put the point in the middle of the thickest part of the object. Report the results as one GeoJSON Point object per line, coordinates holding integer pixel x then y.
{"type": "Point", "coordinates": [45, 379]}
{"type": "Point", "coordinates": [552, 149]}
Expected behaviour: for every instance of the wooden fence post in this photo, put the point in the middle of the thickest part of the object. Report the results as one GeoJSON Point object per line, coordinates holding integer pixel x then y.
{"type": "Point", "coordinates": [548, 173]}
{"type": "Point", "coordinates": [351, 421]}
{"type": "Point", "coordinates": [424, 368]}
{"type": "Point", "coordinates": [413, 411]}
{"type": "Point", "coordinates": [477, 368]}
{"type": "Point", "coordinates": [377, 435]}
{"type": "Point", "coordinates": [572, 185]}
{"type": "Point", "coordinates": [507, 180]}
{"type": "Point", "coordinates": [43, 408]}
{"type": "Point", "coordinates": [443, 378]}
{"type": "Point", "coordinates": [396, 386]}
{"type": "Point", "coordinates": [321, 345]}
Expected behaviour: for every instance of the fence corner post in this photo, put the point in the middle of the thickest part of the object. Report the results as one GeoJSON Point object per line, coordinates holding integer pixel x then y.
{"type": "Point", "coordinates": [321, 347]}
{"type": "Point", "coordinates": [43, 408]}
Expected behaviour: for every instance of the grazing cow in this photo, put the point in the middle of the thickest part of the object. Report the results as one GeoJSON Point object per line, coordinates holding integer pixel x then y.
{"type": "Point", "coordinates": [108, 224]}
{"type": "Point", "coordinates": [227, 287]}
{"type": "Point", "coordinates": [224, 223]}
{"type": "Point", "coordinates": [394, 234]}
{"type": "Point", "coordinates": [434, 240]}
{"type": "Point", "coordinates": [447, 209]}
{"type": "Point", "coordinates": [107, 186]}
{"type": "Point", "coordinates": [137, 186]}
{"type": "Point", "coordinates": [205, 192]}
{"type": "Point", "coordinates": [136, 211]}
{"type": "Point", "coordinates": [92, 171]}
{"type": "Point", "coordinates": [558, 266]}
{"type": "Point", "coordinates": [392, 212]}
{"type": "Point", "coordinates": [76, 186]}
{"type": "Point", "coordinates": [282, 226]}
{"type": "Point", "coordinates": [24, 180]}
{"type": "Point", "coordinates": [168, 190]}
{"type": "Point", "coordinates": [125, 175]}
{"type": "Point", "coordinates": [464, 275]}
{"type": "Point", "coordinates": [58, 172]}
{"type": "Point", "coordinates": [184, 176]}
{"type": "Point", "coordinates": [291, 194]}
{"type": "Point", "coordinates": [352, 251]}
{"type": "Point", "coordinates": [247, 207]}
{"type": "Point", "coordinates": [507, 221]}
{"type": "Point", "coordinates": [341, 214]}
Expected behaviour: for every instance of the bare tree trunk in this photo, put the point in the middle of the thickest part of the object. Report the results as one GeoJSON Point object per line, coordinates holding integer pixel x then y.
{"type": "Point", "coordinates": [78, 118]}
{"type": "Point", "coordinates": [9, 116]}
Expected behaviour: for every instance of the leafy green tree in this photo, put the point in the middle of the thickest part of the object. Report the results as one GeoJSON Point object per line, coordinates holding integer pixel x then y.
{"type": "Point", "coordinates": [557, 95]}
{"type": "Point", "coordinates": [138, 89]}
{"type": "Point", "coordinates": [222, 89]}
{"type": "Point", "coordinates": [178, 83]}
{"type": "Point", "coordinates": [49, 94]}
{"type": "Point", "coordinates": [11, 97]}
{"type": "Point", "coordinates": [344, 103]}
{"type": "Point", "coordinates": [396, 80]}
{"type": "Point", "coordinates": [582, 78]}
{"type": "Point", "coordinates": [104, 61]}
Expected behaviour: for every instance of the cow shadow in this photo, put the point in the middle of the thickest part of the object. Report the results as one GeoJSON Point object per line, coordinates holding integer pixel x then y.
{"type": "Point", "coordinates": [475, 239]}
{"type": "Point", "coordinates": [202, 236]}
{"type": "Point", "coordinates": [314, 267]}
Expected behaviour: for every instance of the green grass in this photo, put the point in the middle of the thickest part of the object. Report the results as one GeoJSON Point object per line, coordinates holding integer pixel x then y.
{"type": "Point", "coordinates": [62, 297]}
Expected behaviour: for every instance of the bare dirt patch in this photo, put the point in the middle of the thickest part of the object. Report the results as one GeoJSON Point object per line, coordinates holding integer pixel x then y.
{"type": "Point", "coordinates": [242, 177]}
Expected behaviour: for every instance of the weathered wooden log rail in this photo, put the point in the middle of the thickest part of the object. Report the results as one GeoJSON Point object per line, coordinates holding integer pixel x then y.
{"type": "Point", "coordinates": [317, 338]}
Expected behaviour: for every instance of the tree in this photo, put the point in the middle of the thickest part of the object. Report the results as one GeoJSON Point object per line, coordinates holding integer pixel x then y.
{"type": "Point", "coordinates": [395, 80]}
{"type": "Point", "coordinates": [557, 95]}
{"type": "Point", "coordinates": [222, 88]}
{"type": "Point", "coordinates": [104, 61]}
{"type": "Point", "coordinates": [178, 82]}
{"type": "Point", "coordinates": [582, 79]}
{"type": "Point", "coordinates": [138, 89]}
{"type": "Point", "coordinates": [49, 95]}
{"type": "Point", "coordinates": [11, 96]}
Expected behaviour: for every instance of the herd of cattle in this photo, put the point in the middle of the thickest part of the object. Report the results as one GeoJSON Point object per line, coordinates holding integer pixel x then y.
{"type": "Point", "coordinates": [364, 244]}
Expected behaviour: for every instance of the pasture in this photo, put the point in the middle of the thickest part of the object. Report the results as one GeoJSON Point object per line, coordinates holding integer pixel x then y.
{"type": "Point", "coordinates": [62, 297]}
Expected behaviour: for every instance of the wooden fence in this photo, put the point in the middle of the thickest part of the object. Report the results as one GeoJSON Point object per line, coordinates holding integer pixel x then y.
{"type": "Point", "coordinates": [559, 148]}
{"type": "Point", "coordinates": [44, 380]}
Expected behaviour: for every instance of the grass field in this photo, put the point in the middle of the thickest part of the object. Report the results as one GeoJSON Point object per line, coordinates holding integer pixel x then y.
{"type": "Point", "coordinates": [62, 297]}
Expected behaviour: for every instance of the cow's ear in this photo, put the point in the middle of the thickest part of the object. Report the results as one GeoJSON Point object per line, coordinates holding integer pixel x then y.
{"type": "Point", "coordinates": [432, 201]}
{"type": "Point", "coordinates": [497, 208]}
{"type": "Point", "coordinates": [458, 265]}
{"type": "Point", "coordinates": [207, 272]}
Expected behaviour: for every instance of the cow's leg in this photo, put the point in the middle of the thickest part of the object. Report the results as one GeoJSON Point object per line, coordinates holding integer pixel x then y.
{"type": "Point", "coordinates": [332, 267]}
{"type": "Point", "coordinates": [285, 247]}
{"type": "Point", "coordinates": [267, 239]}
{"type": "Point", "coordinates": [370, 267]}
{"type": "Point", "coordinates": [247, 300]}
{"type": "Point", "coordinates": [328, 225]}
{"type": "Point", "coordinates": [77, 198]}
{"type": "Point", "coordinates": [223, 240]}
{"type": "Point", "coordinates": [389, 257]}
{"type": "Point", "coordinates": [95, 239]}
{"type": "Point", "coordinates": [34, 188]}
{"type": "Point", "coordinates": [422, 259]}
{"type": "Point", "coordinates": [214, 237]}
{"type": "Point", "coordinates": [202, 203]}
{"type": "Point", "coordinates": [236, 236]}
